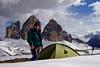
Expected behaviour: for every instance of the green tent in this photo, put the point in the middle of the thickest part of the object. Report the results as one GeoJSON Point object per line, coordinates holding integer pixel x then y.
{"type": "Point", "coordinates": [57, 51]}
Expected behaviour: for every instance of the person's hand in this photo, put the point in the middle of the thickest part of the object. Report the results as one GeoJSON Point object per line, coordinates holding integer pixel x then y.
{"type": "Point", "coordinates": [41, 48]}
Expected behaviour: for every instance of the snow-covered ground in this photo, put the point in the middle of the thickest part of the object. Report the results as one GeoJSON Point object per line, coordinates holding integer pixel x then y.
{"type": "Point", "coordinates": [81, 61]}
{"type": "Point", "coordinates": [4, 58]}
{"type": "Point", "coordinates": [14, 47]}
{"type": "Point", "coordinates": [11, 47]}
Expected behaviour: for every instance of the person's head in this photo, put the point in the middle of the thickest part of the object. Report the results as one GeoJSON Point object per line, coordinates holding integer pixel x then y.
{"type": "Point", "coordinates": [37, 26]}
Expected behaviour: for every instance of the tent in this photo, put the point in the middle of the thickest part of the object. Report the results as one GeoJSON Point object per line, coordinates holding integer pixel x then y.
{"type": "Point", "coordinates": [57, 50]}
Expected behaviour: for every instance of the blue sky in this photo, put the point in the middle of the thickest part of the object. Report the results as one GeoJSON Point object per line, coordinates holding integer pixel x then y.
{"type": "Point", "coordinates": [8, 23]}
{"type": "Point", "coordinates": [83, 10]}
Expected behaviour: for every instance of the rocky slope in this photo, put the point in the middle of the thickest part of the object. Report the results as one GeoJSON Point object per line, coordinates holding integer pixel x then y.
{"type": "Point", "coordinates": [13, 31]}
{"type": "Point", "coordinates": [53, 32]}
{"type": "Point", "coordinates": [28, 25]}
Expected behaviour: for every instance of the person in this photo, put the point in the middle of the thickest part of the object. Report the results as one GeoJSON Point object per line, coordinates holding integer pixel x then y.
{"type": "Point", "coordinates": [70, 38]}
{"type": "Point", "coordinates": [35, 40]}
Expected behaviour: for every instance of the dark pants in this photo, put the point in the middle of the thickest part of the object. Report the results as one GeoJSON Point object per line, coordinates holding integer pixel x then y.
{"type": "Point", "coordinates": [35, 52]}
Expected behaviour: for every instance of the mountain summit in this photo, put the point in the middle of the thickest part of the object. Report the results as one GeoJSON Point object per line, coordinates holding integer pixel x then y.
{"type": "Point", "coordinates": [28, 25]}
{"type": "Point", "coordinates": [53, 32]}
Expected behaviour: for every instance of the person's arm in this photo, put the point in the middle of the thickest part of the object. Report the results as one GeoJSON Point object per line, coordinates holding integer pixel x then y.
{"type": "Point", "coordinates": [41, 41]}
{"type": "Point", "coordinates": [29, 38]}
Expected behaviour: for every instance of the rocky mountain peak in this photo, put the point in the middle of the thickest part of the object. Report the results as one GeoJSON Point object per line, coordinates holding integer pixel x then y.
{"type": "Point", "coordinates": [52, 21]}
{"type": "Point", "coordinates": [28, 25]}
{"type": "Point", "coordinates": [13, 31]}
{"type": "Point", "coordinates": [53, 32]}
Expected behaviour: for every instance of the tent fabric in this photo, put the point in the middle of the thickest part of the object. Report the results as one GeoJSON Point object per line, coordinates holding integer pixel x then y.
{"type": "Point", "coordinates": [57, 50]}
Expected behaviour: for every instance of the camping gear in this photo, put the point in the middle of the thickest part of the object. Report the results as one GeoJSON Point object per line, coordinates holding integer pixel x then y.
{"type": "Point", "coordinates": [57, 50]}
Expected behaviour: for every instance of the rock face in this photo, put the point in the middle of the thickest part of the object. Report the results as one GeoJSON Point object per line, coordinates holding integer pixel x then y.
{"type": "Point", "coordinates": [53, 32]}
{"type": "Point", "coordinates": [65, 35]}
{"type": "Point", "coordinates": [28, 25]}
{"type": "Point", "coordinates": [13, 31]}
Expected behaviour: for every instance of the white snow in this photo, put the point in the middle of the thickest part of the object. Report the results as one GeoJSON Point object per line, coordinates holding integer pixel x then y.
{"type": "Point", "coordinates": [81, 61]}
{"type": "Point", "coordinates": [3, 58]}
{"type": "Point", "coordinates": [20, 47]}
{"type": "Point", "coordinates": [16, 48]}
